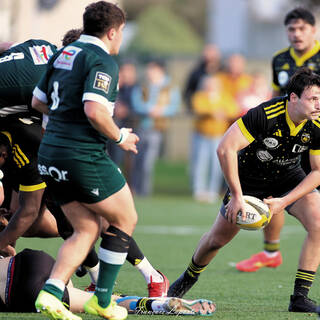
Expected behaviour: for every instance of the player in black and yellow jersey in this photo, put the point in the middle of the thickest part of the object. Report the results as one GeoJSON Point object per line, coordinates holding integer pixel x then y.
{"type": "Point", "coordinates": [260, 156]}
{"type": "Point", "coordinates": [304, 50]}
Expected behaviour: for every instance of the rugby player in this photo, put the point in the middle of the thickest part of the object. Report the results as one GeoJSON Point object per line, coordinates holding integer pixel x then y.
{"type": "Point", "coordinates": [304, 50]}
{"type": "Point", "coordinates": [20, 136]}
{"type": "Point", "coordinates": [78, 92]}
{"type": "Point", "coordinates": [23, 275]}
{"type": "Point", "coordinates": [260, 156]}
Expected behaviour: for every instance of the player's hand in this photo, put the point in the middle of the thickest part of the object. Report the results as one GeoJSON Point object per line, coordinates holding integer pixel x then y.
{"type": "Point", "coordinates": [130, 143]}
{"type": "Point", "coordinates": [276, 205]}
{"type": "Point", "coordinates": [233, 207]}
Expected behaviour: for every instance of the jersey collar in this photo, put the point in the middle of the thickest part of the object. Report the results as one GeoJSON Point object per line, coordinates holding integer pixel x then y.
{"type": "Point", "coordinates": [93, 40]}
{"type": "Point", "coordinates": [301, 60]}
{"type": "Point", "coordinates": [294, 130]}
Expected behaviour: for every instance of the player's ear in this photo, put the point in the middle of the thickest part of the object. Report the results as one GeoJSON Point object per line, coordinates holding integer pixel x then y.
{"type": "Point", "coordinates": [293, 97]}
{"type": "Point", "coordinates": [111, 33]}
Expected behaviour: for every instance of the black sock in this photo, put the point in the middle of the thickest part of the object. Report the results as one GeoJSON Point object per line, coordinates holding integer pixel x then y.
{"type": "Point", "coordinates": [303, 282]}
{"type": "Point", "coordinates": [134, 254]}
{"type": "Point", "coordinates": [194, 270]}
{"type": "Point", "coordinates": [91, 260]}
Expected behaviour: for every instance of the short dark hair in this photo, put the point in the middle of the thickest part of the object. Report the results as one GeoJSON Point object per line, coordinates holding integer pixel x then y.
{"type": "Point", "coordinates": [71, 36]}
{"type": "Point", "coordinates": [300, 13]}
{"type": "Point", "coordinates": [302, 79]}
{"type": "Point", "coordinates": [99, 17]}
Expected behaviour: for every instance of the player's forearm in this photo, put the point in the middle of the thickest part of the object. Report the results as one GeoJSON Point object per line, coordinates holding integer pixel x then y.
{"type": "Point", "coordinates": [102, 121]}
{"type": "Point", "coordinates": [309, 183]}
{"type": "Point", "coordinates": [229, 165]}
{"type": "Point", "coordinates": [39, 105]}
{"type": "Point", "coordinates": [18, 225]}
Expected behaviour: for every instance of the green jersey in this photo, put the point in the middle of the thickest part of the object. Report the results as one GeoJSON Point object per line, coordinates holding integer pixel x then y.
{"type": "Point", "coordinates": [82, 71]}
{"type": "Point", "coordinates": [285, 63]}
{"type": "Point", "coordinates": [21, 68]}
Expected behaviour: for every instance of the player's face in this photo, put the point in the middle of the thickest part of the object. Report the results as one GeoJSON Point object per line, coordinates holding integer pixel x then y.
{"type": "Point", "coordinates": [301, 35]}
{"type": "Point", "coordinates": [116, 41]}
{"type": "Point", "coordinates": [310, 103]}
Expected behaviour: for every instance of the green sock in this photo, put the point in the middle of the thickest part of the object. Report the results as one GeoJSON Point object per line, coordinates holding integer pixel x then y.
{"type": "Point", "coordinates": [107, 276]}
{"type": "Point", "coordinates": [53, 290]}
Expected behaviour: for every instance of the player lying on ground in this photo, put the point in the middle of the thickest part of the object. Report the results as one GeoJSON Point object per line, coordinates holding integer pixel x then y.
{"type": "Point", "coordinates": [22, 277]}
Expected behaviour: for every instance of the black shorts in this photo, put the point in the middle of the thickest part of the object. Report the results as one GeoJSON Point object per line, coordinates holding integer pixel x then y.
{"type": "Point", "coordinates": [27, 273]}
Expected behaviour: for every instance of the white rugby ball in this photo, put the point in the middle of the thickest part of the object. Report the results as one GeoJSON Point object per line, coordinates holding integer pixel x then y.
{"type": "Point", "coordinates": [258, 214]}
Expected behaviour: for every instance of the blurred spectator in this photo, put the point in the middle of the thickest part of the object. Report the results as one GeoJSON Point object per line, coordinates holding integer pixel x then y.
{"type": "Point", "coordinates": [235, 80]}
{"type": "Point", "coordinates": [208, 64]}
{"type": "Point", "coordinates": [124, 116]}
{"type": "Point", "coordinates": [257, 93]}
{"type": "Point", "coordinates": [213, 108]}
{"type": "Point", "coordinates": [155, 101]}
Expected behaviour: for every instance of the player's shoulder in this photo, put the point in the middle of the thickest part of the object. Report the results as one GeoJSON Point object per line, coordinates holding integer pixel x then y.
{"type": "Point", "coordinates": [270, 109]}
{"type": "Point", "coordinates": [282, 52]}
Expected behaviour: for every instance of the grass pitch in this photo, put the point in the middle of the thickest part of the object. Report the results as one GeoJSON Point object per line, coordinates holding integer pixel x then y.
{"type": "Point", "coordinates": [169, 228]}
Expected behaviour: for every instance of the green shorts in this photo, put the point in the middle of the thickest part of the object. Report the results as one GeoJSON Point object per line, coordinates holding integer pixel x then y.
{"type": "Point", "coordinates": [81, 175]}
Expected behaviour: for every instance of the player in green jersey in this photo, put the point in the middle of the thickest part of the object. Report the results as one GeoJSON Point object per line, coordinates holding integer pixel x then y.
{"type": "Point", "coordinates": [78, 92]}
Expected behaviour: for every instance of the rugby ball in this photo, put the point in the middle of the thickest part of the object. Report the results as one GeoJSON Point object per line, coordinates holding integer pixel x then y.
{"type": "Point", "coordinates": [258, 214]}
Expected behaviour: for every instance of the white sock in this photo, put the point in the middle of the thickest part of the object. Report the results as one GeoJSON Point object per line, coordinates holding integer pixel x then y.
{"type": "Point", "coordinates": [147, 270]}
{"type": "Point", "coordinates": [93, 272]}
{"type": "Point", "coordinates": [158, 306]}
{"type": "Point", "coordinates": [57, 283]}
{"type": "Point", "coordinates": [271, 254]}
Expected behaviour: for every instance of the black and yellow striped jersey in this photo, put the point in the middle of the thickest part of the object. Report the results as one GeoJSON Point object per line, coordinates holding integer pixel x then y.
{"type": "Point", "coordinates": [21, 169]}
{"type": "Point", "coordinates": [285, 63]}
{"type": "Point", "coordinates": [276, 143]}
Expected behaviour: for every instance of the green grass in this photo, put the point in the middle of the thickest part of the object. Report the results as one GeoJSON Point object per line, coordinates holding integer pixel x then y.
{"type": "Point", "coordinates": [169, 228]}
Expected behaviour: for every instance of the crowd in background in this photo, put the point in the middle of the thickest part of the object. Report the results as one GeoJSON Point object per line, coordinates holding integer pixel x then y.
{"type": "Point", "coordinates": [216, 92]}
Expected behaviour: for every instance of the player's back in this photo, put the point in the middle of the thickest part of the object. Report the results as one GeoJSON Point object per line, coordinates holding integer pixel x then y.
{"type": "Point", "coordinates": [21, 68]}
{"type": "Point", "coordinates": [73, 80]}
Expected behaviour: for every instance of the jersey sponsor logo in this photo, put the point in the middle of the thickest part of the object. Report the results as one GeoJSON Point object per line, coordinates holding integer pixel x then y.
{"type": "Point", "coordinates": [283, 78]}
{"type": "Point", "coordinates": [12, 56]}
{"type": "Point", "coordinates": [271, 143]}
{"type": "Point", "coordinates": [95, 191]}
{"type": "Point", "coordinates": [55, 173]}
{"type": "Point", "coordinates": [66, 58]}
{"type": "Point", "coordinates": [299, 149]}
{"type": "Point", "coordinates": [40, 54]}
{"type": "Point", "coordinates": [312, 66]}
{"type": "Point", "coordinates": [286, 162]}
{"type": "Point", "coordinates": [264, 155]}
{"type": "Point", "coordinates": [102, 81]}
{"type": "Point", "coordinates": [285, 66]}
{"type": "Point", "coordinates": [278, 133]}
{"type": "Point", "coordinates": [305, 137]}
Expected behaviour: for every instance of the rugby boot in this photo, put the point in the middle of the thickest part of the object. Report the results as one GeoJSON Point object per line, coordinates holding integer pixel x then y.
{"type": "Point", "coordinates": [112, 311]}
{"type": "Point", "coordinates": [53, 308]}
{"type": "Point", "coordinates": [200, 307]}
{"type": "Point", "coordinates": [301, 303]}
{"type": "Point", "coordinates": [258, 261]}
{"type": "Point", "coordinates": [158, 289]}
{"type": "Point", "coordinates": [182, 285]}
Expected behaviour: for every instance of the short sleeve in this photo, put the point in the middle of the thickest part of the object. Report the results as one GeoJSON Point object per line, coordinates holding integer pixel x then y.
{"type": "Point", "coordinates": [101, 85]}
{"type": "Point", "coordinates": [275, 82]}
{"type": "Point", "coordinates": [253, 123]}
